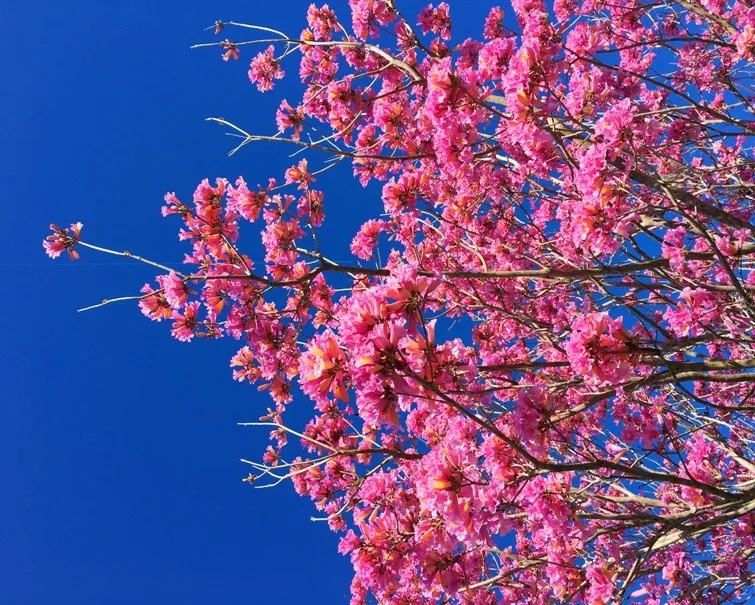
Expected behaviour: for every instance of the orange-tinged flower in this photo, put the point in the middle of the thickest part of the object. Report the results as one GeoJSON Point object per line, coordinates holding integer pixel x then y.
{"type": "Point", "coordinates": [440, 483]}
{"type": "Point", "coordinates": [322, 368]}
{"type": "Point", "coordinates": [231, 50]}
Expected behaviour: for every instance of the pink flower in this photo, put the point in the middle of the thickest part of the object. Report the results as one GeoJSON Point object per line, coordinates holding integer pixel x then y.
{"type": "Point", "coordinates": [63, 240]}
{"type": "Point", "coordinates": [494, 24]}
{"type": "Point", "coordinates": [529, 419]}
{"type": "Point", "coordinates": [745, 41]}
{"type": "Point", "coordinates": [300, 175]}
{"type": "Point", "coordinates": [601, 587]}
{"type": "Point", "coordinates": [377, 402]}
{"type": "Point", "coordinates": [174, 206]}
{"type": "Point", "coordinates": [436, 20]}
{"type": "Point", "coordinates": [265, 68]}
{"type": "Point", "coordinates": [615, 127]}
{"type": "Point", "coordinates": [185, 324]}
{"type": "Point", "coordinates": [365, 241]}
{"type": "Point", "coordinates": [247, 203]}
{"type": "Point", "coordinates": [231, 50]}
{"type": "Point", "coordinates": [382, 356]}
{"type": "Point", "coordinates": [244, 360]}
{"type": "Point", "coordinates": [215, 295]}
{"type": "Point", "coordinates": [695, 309]}
{"type": "Point", "coordinates": [322, 21]}
{"type": "Point", "coordinates": [410, 295]}
{"type": "Point", "coordinates": [494, 58]}
{"type": "Point", "coordinates": [175, 289]}
{"type": "Point", "coordinates": [311, 206]}
{"type": "Point", "coordinates": [365, 311]}
{"type": "Point", "coordinates": [726, 246]}
{"type": "Point", "coordinates": [598, 349]}
{"type": "Point", "coordinates": [322, 368]}
{"type": "Point", "coordinates": [367, 15]}
{"type": "Point", "coordinates": [288, 117]}
{"type": "Point", "coordinates": [673, 247]}
{"type": "Point", "coordinates": [280, 390]}
{"type": "Point", "coordinates": [155, 305]}
{"type": "Point", "coordinates": [209, 199]}
{"type": "Point", "coordinates": [400, 195]}
{"type": "Point", "coordinates": [676, 566]}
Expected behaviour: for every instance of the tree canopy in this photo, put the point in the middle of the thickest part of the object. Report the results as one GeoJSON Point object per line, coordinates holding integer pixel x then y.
{"type": "Point", "coordinates": [533, 382]}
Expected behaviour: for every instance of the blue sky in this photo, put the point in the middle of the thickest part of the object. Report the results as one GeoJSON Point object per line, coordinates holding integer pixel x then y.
{"type": "Point", "coordinates": [118, 445]}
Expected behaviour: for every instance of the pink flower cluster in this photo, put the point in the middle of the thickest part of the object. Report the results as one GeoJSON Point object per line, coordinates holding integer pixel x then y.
{"type": "Point", "coordinates": [63, 240]}
{"type": "Point", "coordinates": [599, 349]}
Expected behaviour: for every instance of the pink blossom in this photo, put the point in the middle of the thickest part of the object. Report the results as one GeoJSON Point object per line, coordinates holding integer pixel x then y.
{"type": "Point", "coordinates": [601, 588]}
{"type": "Point", "coordinates": [676, 565]}
{"type": "Point", "coordinates": [175, 289]}
{"type": "Point", "coordinates": [288, 117]}
{"type": "Point", "coordinates": [231, 50]}
{"type": "Point", "coordinates": [244, 360]}
{"type": "Point", "coordinates": [155, 304]}
{"type": "Point", "coordinates": [745, 41]}
{"type": "Point", "coordinates": [264, 69]}
{"type": "Point", "coordinates": [365, 241]}
{"type": "Point", "coordinates": [598, 348]}
{"type": "Point", "coordinates": [63, 240]}
{"type": "Point", "coordinates": [322, 368]}
{"type": "Point", "coordinates": [322, 21]}
{"type": "Point", "coordinates": [174, 206]}
{"type": "Point", "coordinates": [494, 24]}
{"type": "Point", "coordinates": [185, 324]}
{"type": "Point", "coordinates": [247, 203]}
{"type": "Point", "coordinates": [436, 20]}
{"type": "Point", "coordinates": [494, 57]}
{"type": "Point", "coordinates": [696, 308]}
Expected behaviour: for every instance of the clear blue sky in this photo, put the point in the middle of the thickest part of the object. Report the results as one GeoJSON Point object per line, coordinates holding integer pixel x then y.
{"type": "Point", "coordinates": [118, 445]}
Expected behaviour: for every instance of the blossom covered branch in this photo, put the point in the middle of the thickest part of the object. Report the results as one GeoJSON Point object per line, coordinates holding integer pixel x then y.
{"type": "Point", "coordinates": [534, 381]}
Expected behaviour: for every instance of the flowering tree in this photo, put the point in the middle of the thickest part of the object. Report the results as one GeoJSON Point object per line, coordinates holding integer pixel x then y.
{"type": "Point", "coordinates": [534, 383]}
